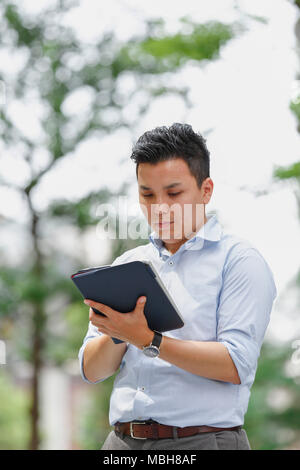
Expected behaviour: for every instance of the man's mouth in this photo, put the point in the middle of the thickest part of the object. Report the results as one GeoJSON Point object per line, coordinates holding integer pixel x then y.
{"type": "Point", "coordinates": [164, 224]}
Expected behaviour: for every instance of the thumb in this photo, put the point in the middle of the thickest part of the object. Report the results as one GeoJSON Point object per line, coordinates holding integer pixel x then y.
{"type": "Point", "coordinates": [141, 302]}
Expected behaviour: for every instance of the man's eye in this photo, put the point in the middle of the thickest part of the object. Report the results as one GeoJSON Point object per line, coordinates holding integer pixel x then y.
{"type": "Point", "coordinates": [170, 194]}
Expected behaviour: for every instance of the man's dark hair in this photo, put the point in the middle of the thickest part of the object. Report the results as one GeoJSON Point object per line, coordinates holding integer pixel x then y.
{"type": "Point", "coordinates": [176, 141]}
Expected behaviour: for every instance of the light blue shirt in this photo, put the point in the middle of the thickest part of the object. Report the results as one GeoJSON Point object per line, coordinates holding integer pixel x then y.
{"type": "Point", "coordinates": [224, 290]}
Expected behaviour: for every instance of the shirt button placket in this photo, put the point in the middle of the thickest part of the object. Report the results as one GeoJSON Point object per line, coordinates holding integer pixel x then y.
{"type": "Point", "coordinates": [142, 387]}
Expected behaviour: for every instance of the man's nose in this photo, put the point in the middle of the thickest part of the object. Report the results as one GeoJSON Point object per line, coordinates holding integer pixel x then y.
{"type": "Point", "coordinates": [161, 208]}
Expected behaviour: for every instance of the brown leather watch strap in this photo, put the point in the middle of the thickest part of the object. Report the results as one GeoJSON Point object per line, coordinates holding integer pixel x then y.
{"type": "Point", "coordinates": [154, 430]}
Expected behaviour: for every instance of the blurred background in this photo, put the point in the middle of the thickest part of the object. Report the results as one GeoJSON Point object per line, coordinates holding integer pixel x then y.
{"type": "Point", "coordinates": [79, 82]}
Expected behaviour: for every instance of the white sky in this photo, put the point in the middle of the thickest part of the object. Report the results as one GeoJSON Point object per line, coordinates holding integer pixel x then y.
{"type": "Point", "coordinates": [244, 96]}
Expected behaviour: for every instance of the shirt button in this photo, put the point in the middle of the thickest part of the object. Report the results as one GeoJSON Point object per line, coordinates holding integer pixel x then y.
{"type": "Point", "coordinates": [171, 262]}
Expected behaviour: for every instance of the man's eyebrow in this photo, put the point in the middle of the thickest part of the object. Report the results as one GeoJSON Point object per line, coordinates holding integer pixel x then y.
{"type": "Point", "coordinates": [172, 185]}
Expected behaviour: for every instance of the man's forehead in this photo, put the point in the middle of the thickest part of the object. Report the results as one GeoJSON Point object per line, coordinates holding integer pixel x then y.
{"type": "Point", "coordinates": [167, 174]}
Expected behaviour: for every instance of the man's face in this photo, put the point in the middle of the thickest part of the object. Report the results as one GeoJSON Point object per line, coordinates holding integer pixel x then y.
{"type": "Point", "coordinates": [171, 200]}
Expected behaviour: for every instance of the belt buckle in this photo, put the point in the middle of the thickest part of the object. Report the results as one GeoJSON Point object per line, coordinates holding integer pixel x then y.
{"type": "Point", "coordinates": [131, 429]}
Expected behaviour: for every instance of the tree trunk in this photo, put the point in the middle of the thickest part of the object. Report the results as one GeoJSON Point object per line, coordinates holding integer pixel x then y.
{"type": "Point", "coordinates": [37, 363]}
{"type": "Point", "coordinates": [38, 325]}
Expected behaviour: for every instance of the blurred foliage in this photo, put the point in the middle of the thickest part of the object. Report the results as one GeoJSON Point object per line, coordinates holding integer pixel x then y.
{"type": "Point", "coordinates": [270, 428]}
{"type": "Point", "coordinates": [297, 3]}
{"type": "Point", "coordinates": [197, 42]}
{"type": "Point", "coordinates": [287, 172]}
{"type": "Point", "coordinates": [61, 346]}
{"type": "Point", "coordinates": [14, 422]}
{"type": "Point", "coordinates": [37, 295]}
{"type": "Point", "coordinates": [266, 426]}
{"type": "Point", "coordinates": [55, 66]}
{"type": "Point", "coordinates": [295, 108]}
{"type": "Point", "coordinates": [80, 213]}
{"type": "Point", "coordinates": [94, 425]}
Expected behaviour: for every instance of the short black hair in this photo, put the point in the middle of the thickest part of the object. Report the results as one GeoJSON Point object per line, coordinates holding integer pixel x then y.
{"type": "Point", "coordinates": [176, 141]}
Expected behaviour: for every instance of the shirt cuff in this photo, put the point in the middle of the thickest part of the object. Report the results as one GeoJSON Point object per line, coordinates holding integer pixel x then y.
{"type": "Point", "coordinates": [244, 371]}
{"type": "Point", "coordinates": [80, 356]}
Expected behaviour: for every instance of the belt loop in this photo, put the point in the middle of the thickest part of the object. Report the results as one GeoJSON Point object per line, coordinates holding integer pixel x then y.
{"type": "Point", "coordinates": [119, 430]}
{"type": "Point", "coordinates": [154, 427]}
{"type": "Point", "coordinates": [175, 433]}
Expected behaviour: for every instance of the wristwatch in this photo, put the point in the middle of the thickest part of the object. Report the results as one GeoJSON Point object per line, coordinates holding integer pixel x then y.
{"type": "Point", "coordinates": [153, 349]}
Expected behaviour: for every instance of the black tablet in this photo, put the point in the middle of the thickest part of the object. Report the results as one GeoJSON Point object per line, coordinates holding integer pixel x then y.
{"type": "Point", "coordinates": [119, 287]}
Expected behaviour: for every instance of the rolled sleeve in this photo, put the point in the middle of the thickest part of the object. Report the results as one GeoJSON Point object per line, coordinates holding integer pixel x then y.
{"type": "Point", "coordinates": [243, 314]}
{"type": "Point", "coordinates": [92, 333]}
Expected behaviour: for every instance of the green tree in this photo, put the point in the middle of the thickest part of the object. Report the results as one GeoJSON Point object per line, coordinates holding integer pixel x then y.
{"type": "Point", "coordinates": [54, 66]}
{"type": "Point", "coordinates": [267, 427]}
{"type": "Point", "coordinates": [13, 423]}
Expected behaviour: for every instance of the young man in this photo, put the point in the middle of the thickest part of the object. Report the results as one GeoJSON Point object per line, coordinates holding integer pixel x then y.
{"type": "Point", "coordinates": [195, 393]}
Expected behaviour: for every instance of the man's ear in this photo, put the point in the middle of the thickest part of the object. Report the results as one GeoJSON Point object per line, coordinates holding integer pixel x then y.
{"type": "Point", "coordinates": [207, 189]}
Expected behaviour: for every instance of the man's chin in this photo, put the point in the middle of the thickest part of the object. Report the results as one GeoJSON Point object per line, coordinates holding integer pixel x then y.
{"type": "Point", "coordinates": [172, 234]}
{"type": "Point", "coordinates": [170, 237]}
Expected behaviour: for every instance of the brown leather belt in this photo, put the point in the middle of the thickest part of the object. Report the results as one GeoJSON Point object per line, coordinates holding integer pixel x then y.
{"type": "Point", "coordinates": [153, 430]}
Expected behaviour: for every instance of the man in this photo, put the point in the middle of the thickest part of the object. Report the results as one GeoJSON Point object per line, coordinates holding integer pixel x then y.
{"type": "Point", "coordinates": [195, 393]}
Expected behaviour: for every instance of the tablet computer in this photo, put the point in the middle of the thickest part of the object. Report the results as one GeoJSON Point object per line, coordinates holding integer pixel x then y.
{"type": "Point", "coordinates": [119, 287]}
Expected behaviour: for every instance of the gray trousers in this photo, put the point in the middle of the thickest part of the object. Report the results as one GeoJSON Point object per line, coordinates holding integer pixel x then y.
{"type": "Point", "coordinates": [220, 440]}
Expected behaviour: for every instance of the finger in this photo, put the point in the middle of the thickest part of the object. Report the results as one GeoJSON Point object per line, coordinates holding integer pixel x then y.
{"type": "Point", "coordinates": [96, 319]}
{"type": "Point", "coordinates": [112, 334]}
{"type": "Point", "coordinates": [98, 325]}
{"type": "Point", "coordinates": [101, 307]}
{"type": "Point", "coordinates": [104, 330]}
{"type": "Point", "coordinates": [140, 304]}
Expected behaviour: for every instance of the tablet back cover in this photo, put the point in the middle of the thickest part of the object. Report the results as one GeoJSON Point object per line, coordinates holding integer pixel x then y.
{"type": "Point", "coordinates": [120, 286]}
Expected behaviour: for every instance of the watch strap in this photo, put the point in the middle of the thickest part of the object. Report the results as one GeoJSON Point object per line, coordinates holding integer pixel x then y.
{"type": "Point", "coordinates": [156, 339]}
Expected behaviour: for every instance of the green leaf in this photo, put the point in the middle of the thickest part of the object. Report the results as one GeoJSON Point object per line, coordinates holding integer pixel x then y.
{"type": "Point", "coordinates": [292, 171]}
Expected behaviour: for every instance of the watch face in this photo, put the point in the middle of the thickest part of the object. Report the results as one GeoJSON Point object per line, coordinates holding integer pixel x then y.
{"type": "Point", "coordinates": [151, 351]}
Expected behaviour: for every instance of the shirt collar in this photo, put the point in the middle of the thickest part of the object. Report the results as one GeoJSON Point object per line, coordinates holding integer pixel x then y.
{"type": "Point", "coordinates": [211, 231]}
